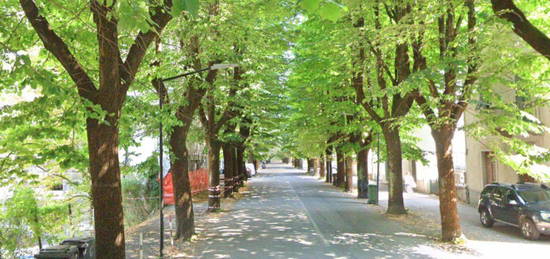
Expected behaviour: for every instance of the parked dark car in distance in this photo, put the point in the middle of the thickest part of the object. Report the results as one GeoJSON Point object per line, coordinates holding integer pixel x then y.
{"type": "Point", "coordinates": [526, 206]}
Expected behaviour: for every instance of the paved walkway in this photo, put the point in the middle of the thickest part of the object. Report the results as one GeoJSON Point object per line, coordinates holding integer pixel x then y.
{"type": "Point", "coordinates": [286, 214]}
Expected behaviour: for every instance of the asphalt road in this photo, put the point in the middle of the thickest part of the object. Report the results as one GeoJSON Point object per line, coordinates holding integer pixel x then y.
{"type": "Point", "coordinates": [286, 214]}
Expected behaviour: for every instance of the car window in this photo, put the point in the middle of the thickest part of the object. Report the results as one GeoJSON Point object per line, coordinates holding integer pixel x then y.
{"type": "Point", "coordinates": [499, 193]}
{"type": "Point", "coordinates": [532, 196]}
{"type": "Point", "coordinates": [510, 195]}
{"type": "Point", "coordinates": [487, 191]}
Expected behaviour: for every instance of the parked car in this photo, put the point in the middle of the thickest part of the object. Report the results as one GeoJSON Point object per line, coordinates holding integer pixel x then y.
{"type": "Point", "coordinates": [250, 170]}
{"type": "Point", "coordinates": [526, 206]}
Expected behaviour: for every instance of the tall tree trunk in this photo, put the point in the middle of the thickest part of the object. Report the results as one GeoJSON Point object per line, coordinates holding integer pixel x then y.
{"type": "Point", "coordinates": [362, 173]}
{"type": "Point", "coordinates": [340, 169]}
{"type": "Point", "coordinates": [214, 175]}
{"type": "Point", "coordinates": [236, 172]}
{"type": "Point", "coordinates": [106, 188]}
{"type": "Point", "coordinates": [228, 168]}
{"type": "Point", "coordinates": [329, 166]}
{"type": "Point", "coordinates": [241, 166]}
{"type": "Point", "coordinates": [310, 166]}
{"type": "Point", "coordinates": [349, 174]}
{"type": "Point", "coordinates": [450, 221]}
{"type": "Point", "coordinates": [394, 160]}
{"type": "Point", "coordinates": [322, 167]}
{"type": "Point", "coordinates": [256, 165]}
{"type": "Point", "coordinates": [179, 167]}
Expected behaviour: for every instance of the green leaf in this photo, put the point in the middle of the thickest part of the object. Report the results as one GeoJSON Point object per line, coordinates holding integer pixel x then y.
{"type": "Point", "coordinates": [310, 5]}
{"type": "Point", "coordinates": [178, 6]}
{"type": "Point", "coordinates": [331, 11]}
{"type": "Point", "coordinates": [191, 6]}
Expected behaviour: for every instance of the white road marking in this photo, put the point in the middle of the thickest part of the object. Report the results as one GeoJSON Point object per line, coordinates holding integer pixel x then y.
{"type": "Point", "coordinates": [317, 229]}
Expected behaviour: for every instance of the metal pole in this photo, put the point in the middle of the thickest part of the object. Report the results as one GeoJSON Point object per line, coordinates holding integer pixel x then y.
{"type": "Point", "coordinates": [378, 169]}
{"type": "Point", "coordinates": [140, 245]}
{"type": "Point", "coordinates": [161, 177]}
{"type": "Point", "coordinates": [185, 74]}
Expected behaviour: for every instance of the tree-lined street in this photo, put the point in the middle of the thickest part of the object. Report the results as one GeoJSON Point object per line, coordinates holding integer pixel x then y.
{"type": "Point", "coordinates": [117, 116]}
{"type": "Point", "coordinates": [287, 214]}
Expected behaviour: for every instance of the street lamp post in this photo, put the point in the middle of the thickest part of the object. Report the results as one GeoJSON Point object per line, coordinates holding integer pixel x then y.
{"type": "Point", "coordinates": [378, 168]}
{"type": "Point", "coordinates": [161, 144]}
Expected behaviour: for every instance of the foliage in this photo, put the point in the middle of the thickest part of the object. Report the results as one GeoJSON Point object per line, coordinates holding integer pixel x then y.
{"type": "Point", "coordinates": [24, 222]}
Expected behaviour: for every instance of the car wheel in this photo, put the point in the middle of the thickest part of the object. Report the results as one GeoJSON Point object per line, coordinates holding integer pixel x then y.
{"type": "Point", "coordinates": [486, 219]}
{"type": "Point", "coordinates": [529, 230]}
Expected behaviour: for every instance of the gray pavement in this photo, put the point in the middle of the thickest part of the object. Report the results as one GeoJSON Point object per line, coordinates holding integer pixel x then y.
{"type": "Point", "coordinates": [286, 214]}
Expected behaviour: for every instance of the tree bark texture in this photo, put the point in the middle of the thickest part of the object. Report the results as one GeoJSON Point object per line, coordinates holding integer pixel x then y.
{"type": "Point", "coordinates": [241, 166]}
{"type": "Point", "coordinates": [228, 168]}
{"type": "Point", "coordinates": [349, 174]}
{"type": "Point", "coordinates": [328, 167]}
{"type": "Point", "coordinates": [106, 187]}
{"type": "Point", "coordinates": [310, 166]}
{"type": "Point", "coordinates": [362, 173]}
{"type": "Point", "coordinates": [322, 167]}
{"type": "Point", "coordinates": [214, 189]}
{"type": "Point", "coordinates": [179, 167]}
{"type": "Point", "coordinates": [236, 175]}
{"type": "Point", "coordinates": [340, 169]}
{"type": "Point", "coordinates": [394, 160]}
{"type": "Point", "coordinates": [448, 198]}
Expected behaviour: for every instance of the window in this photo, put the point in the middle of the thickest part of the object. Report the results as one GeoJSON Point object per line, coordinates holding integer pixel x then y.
{"type": "Point", "coordinates": [482, 104]}
{"type": "Point", "coordinates": [533, 196]}
{"type": "Point", "coordinates": [499, 194]}
{"type": "Point", "coordinates": [510, 195]}
{"type": "Point", "coordinates": [57, 187]}
{"type": "Point", "coordinates": [521, 102]}
{"type": "Point", "coordinates": [487, 191]}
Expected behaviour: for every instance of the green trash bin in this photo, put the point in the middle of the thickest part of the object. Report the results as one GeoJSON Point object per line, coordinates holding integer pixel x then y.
{"type": "Point", "coordinates": [373, 194]}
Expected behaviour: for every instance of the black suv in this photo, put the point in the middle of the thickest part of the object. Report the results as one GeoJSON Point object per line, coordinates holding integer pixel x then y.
{"type": "Point", "coordinates": [526, 206]}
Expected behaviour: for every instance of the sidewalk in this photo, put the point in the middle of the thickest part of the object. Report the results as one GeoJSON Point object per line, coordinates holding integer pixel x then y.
{"type": "Point", "coordinates": [150, 230]}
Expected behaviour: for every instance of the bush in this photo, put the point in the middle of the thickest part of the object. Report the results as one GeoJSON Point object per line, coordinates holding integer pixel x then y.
{"type": "Point", "coordinates": [24, 223]}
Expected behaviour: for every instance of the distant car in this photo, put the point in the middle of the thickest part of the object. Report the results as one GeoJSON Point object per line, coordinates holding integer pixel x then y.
{"type": "Point", "coordinates": [526, 206]}
{"type": "Point", "coordinates": [250, 170]}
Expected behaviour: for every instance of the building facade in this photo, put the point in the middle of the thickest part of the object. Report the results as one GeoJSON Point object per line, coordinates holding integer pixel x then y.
{"type": "Point", "coordinates": [482, 166]}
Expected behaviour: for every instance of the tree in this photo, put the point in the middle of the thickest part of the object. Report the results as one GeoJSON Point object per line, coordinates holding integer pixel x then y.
{"type": "Point", "coordinates": [212, 121]}
{"type": "Point", "coordinates": [522, 26]}
{"type": "Point", "coordinates": [390, 101]}
{"type": "Point", "coordinates": [183, 110]}
{"type": "Point", "coordinates": [107, 94]}
{"type": "Point", "coordinates": [444, 99]}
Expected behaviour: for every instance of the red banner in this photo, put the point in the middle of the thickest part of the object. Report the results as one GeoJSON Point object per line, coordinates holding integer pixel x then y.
{"type": "Point", "coordinates": [199, 183]}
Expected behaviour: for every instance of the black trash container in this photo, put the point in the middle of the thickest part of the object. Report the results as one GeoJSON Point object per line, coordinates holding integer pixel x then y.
{"type": "Point", "coordinates": [58, 252]}
{"type": "Point", "coordinates": [86, 246]}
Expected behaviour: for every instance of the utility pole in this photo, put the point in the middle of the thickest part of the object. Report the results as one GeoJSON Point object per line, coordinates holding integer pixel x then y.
{"type": "Point", "coordinates": [161, 181]}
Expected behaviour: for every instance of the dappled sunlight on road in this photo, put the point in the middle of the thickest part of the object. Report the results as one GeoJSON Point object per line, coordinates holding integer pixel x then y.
{"type": "Point", "coordinates": [286, 214]}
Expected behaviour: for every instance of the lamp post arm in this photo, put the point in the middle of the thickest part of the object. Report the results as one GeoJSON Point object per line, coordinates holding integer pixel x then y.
{"type": "Point", "coordinates": [185, 74]}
